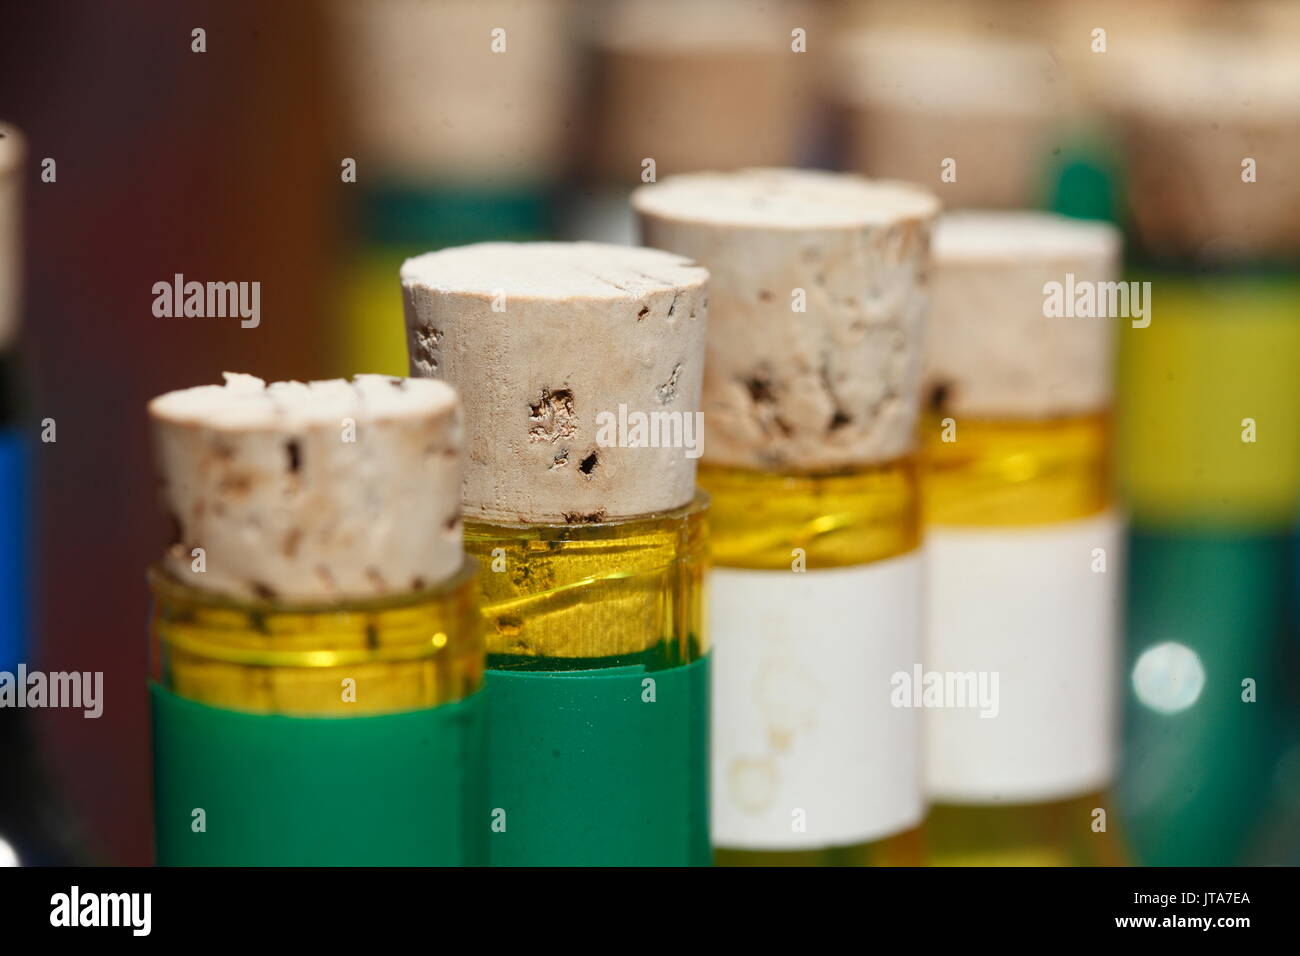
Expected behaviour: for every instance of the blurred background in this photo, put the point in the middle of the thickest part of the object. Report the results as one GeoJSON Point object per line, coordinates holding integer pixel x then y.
{"type": "Point", "coordinates": [231, 164]}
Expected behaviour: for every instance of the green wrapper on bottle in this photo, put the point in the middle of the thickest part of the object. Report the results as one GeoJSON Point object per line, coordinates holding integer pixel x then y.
{"type": "Point", "coordinates": [346, 735]}
{"type": "Point", "coordinates": [600, 768]}
{"type": "Point", "coordinates": [1207, 710]}
{"type": "Point", "coordinates": [238, 789]}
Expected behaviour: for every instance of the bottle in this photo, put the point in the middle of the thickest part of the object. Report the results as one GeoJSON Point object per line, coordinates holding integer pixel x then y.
{"type": "Point", "coordinates": [1208, 443]}
{"type": "Point", "coordinates": [317, 653]}
{"type": "Point", "coordinates": [35, 829]}
{"type": "Point", "coordinates": [1023, 544]}
{"type": "Point", "coordinates": [812, 392]}
{"type": "Point", "coordinates": [580, 367]}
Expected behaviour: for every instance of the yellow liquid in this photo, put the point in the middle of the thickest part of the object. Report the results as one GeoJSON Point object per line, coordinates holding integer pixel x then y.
{"type": "Point", "coordinates": [1002, 473]}
{"type": "Point", "coordinates": [1017, 474]}
{"type": "Point", "coordinates": [1059, 833]}
{"type": "Point", "coordinates": [757, 520]}
{"type": "Point", "coordinates": [584, 596]}
{"type": "Point", "coordinates": [402, 653]}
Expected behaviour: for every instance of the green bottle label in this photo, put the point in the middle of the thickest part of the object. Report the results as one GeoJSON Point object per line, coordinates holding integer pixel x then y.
{"type": "Point", "coordinates": [599, 768]}
{"type": "Point", "coordinates": [237, 789]}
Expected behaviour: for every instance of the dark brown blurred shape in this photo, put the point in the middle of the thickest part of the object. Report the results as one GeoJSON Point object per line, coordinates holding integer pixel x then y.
{"type": "Point", "coordinates": [220, 165]}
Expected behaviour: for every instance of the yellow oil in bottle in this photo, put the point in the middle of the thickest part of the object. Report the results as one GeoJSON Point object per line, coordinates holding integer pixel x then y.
{"type": "Point", "coordinates": [1053, 833]}
{"type": "Point", "coordinates": [1005, 473]}
{"type": "Point", "coordinates": [402, 653]}
{"type": "Point", "coordinates": [587, 596]}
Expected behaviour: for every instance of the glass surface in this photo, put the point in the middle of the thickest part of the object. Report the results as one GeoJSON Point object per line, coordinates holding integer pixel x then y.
{"type": "Point", "coordinates": [1055, 833]}
{"type": "Point", "coordinates": [586, 596]}
{"type": "Point", "coordinates": [1016, 472]}
{"type": "Point", "coordinates": [400, 653]}
{"type": "Point", "coordinates": [838, 519]}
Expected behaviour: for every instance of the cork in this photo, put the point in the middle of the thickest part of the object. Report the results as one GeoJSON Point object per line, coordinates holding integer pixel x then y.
{"type": "Point", "coordinates": [702, 85]}
{"type": "Point", "coordinates": [1190, 114]}
{"type": "Point", "coordinates": [834, 385]}
{"type": "Point", "coordinates": [1069, 33]}
{"type": "Point", "coordinates": [311, 492]}
{"type": "Point", "coordinates": [912, 100]}
{"type": "Point", "coordinates": [990, 350]}
{"type": "Point", "coordinates": [548, 344]}
{"type": "Point", "coordinates": [437, 95]}
{"type": "Point", "coordinates": [11, 160]}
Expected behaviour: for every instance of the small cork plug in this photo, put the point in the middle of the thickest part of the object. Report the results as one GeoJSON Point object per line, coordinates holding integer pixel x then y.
{"type": "Point", "coordinates": [456, 91]}
{"type": "Point", "coordinates": [980, 112]}
{"type": "Point", "coordinates": [727, 88]}
{"type": "Point", "coordinates": [990, 350]}
{"type": "Point", "coordinates": [1210, 131]}
{"type": "Point", "coordinates": [817, 302]}
{"type": "Point", "coordinates": [12, 150]}
{"type": "Point", "coordinates": [311, 492]}
{"type": "Point", "coordinates": [553, 346]}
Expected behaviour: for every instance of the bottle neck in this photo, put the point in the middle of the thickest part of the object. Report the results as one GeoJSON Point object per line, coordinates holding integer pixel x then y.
{"type": "Point", "coordinates": [345, 659]}
{"type": "Point", "coordinates": [993, 473]}
{"type": "Point", "coordinates": [588, 596]}
{"type": "Point", "coordinates": [773, 521]}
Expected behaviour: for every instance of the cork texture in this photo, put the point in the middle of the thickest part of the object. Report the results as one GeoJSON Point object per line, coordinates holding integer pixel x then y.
{"type": "Point", "coordinates": [912, 99]}
{"type": "Point", "coordinates": [701, 85]}
{"type": "Point", "coordinates": [545, 342]}
{"type": "Point", "coordinates": [311, 492]}
{"type": "Point", "coordinates": [834, 385]}
{"type": "Point", "coordinates": [12, 151]}
{"type": "Point", "coordinates": [433, 100]}
{"type": "Point", "coordinates": [990, 350]}
{"type": "Point", "coordinates": [1189, 116]}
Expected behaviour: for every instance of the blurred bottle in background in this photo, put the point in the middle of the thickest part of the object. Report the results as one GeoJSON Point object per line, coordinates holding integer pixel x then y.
{"type": "Point", "coordinates": [460, 110]}
{"type": "Point", "coordinates": [1209, 439]}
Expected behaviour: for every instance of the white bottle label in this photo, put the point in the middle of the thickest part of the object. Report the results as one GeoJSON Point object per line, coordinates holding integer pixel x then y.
{"type": "Point", "coordinates": [807, 749]}
{"type": "Point", "coordinates": [1039, 608]}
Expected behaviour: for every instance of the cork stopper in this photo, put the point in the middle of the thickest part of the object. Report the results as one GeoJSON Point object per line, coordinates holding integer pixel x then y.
{"type": "Point", "coordinates": [311, 492]}
{"type": "Point", "coordinates": [702, 85]}
{"type": "Point", "coordinates": [817, 302]}
{"type": "Point", "coordinates": [1192, 114]}
{"type": "Point", "coordinates": [913, 100]}
{"type": "Point", "coordinates": [437, 93]}
{"type": "Point", "coordinates": [991, 352]}
{"type": "Point", "coordinates": [559, 350]}
{"type": "Point", "coordinates": [12, 150]}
